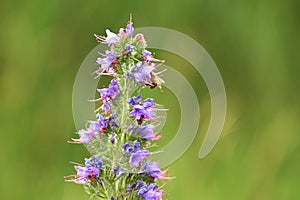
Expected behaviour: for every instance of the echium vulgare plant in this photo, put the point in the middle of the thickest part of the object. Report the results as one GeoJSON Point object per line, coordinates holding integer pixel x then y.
{"type": "Point", "coordinates": [125, 129]}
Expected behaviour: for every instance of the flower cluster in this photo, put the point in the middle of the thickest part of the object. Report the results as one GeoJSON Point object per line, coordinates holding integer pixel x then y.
{"type": "Point", "coordinates": [87, 172]}
{"type": "Point", "coordinates": [120, 138]}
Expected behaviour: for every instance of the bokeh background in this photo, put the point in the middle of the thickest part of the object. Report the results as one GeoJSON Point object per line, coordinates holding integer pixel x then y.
{"type": "Point", "coordinates": [255, 45]}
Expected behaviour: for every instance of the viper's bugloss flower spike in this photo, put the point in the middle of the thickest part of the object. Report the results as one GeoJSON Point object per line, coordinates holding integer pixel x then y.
{"type": "Point", "coordinates": [119, 139]}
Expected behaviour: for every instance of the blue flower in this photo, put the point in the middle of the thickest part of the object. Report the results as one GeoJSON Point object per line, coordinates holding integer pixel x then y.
{"type": "Point", "coordinates": [111, 92]}
{"type": "Point", "coordinates": [129, 28]}
{"type": "Point", "coordinates": [134, 100]}
{"type": "Point", "coordinates": [85, 173]}
{"type": "Point", "coordinates": [118, 171]}
{"type": "Point", "coordinates": [135, 153]}
{"type": "Point", "coordinates": [111, 121]}
{"type": "Point", "coordinates": [129, 48]}
{"type": "Point", "coordinates": [106, 106]}
{"type": "Point", "coordinates": [148, 191]}
{"type": "Point", "coordinates": [152, 169]}
{"type": "Point", "coordinates": [107, 61]}
{"type": "Point", "coordinates": [145, 132]}
{"type": "Point", "coordinates": [147, 55]}
{"type": "Point", "coordinates": [137, 157]}
{"type": "Point", "coordinates": [129, 148]}
{"type": "Point", "coordinates": [153, 194]}
{"type": "Point", "coordinates": [93, 162]}
{"type": "Point", "coordinates": [142, 110]}
{"type": "Point", "coordinates": [142, 74]}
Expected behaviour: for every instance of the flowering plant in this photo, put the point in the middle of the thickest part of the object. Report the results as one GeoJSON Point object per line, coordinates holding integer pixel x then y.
{"type": "Point", "coordinates": [119, 139]}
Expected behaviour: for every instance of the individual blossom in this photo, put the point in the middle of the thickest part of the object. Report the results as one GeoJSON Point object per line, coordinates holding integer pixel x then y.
{"type": "Point", "coordinates": [111, 92]}
{"type": "Point", "coordinates": [93, 162]}
{"type": "Point", "coordinates": [143, 131]}
{"type": "Point", "coordinates": [100, 125]}
{"type": "Point", "coordinates": [152, 169]}
{"type": "Point", "coordinates": [107, 94]}
{"type": "Point", "coordinates": [137, 157]}
{"type": "Point", "coordinates": [106, 61]}
{"type": "Point", "coordinates": [86, 135]}
{"type": "Point", "coordinates": [129, 28]}
{"type": "Point", "coordinates": [113, 138]}
{"type": "Point", "coordinates": [134, 100]}
{"type": "Point", "coordinates": [110, 39]}
{"type": "Point", "coordinates": [90, 171]}
{"type": "Point", "coordinates": [150, 192]}
{"type": "Point", "coordinates": [118, 171]}
{"type": "Point", "coordinates": [135, 153]}
{"type": "Point", "coordinates": [148, 57]}
{"type": "Point", "coordinates": [143, 110]}
{"type": "Point", "coordinates": [130, 147]}
{"type": "Point", "coordinates": [141, 72]}
{"type": "Point", "coordinates": [129, 48]}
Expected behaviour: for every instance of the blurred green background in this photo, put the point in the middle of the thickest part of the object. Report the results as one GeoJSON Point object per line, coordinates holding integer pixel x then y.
{"type": "Point", "coordinates": [255, 45]}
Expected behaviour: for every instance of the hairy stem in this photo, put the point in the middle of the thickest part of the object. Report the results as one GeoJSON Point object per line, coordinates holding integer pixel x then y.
{"type": "Point", "coordinates": [125, 108]}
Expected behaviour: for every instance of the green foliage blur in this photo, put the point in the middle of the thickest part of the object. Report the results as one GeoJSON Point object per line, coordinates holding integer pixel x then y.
{"type": "Point", "coordinates": [255, 45]}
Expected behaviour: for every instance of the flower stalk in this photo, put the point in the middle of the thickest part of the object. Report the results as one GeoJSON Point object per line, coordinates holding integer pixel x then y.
{"type": "Point", "coordinates": [120, 138]}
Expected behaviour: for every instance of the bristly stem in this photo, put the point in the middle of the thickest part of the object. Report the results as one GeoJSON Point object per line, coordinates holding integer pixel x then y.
{"type": "Point", "coordinates": [125, 108]}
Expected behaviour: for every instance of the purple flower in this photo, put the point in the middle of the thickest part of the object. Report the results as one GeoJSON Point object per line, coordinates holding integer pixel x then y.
{"type": "Point", "coordinates": [142, 73]}
{"type": "Point", "coordinates": [134, 100]}
{"type": "Point", "coordinates": [111, 121]}
{"type": "Point", "coordinates": [100, 125]}
{"type": "Point", "coordinates": [129, 28]}
{"type": "Point", "coordinates": [149, 191]}
{"type": "Point", "coordinates": [111, 38]}
{"type": "Point", "coordinates": [106, 107]}
{"type": "Point", "coordinates": [129, 48]}
{"type": "Point", "coordinates": [93, 162]}
{"type": "Point", "coordinates": [143, 110]}
{"type": "Point", "coordinates": [146, 132]}
{"type": "Point", "coordinates": [135, 153]}
{"type": "Point", "coordinates": [130, 148]}
{"type": "Point", "coordinates": [147, 55]}
{"type": "Point", "coordinates": [108, 93]}
{"type": "Point", "coordinates": [152, 169]}
{"type": "Point", "coordinates": [85, 173]}
{"type": "Point", "coordinates": [137, 157]}
{"type": "Point", "coordinates": [90, 171]}
{"type": "Point", "coordinates": [111, 92]}
{"type": "Point", "coordinates": [85, 136]}
{"type": "Point", "coordinates": [118, 171]}
{"type": "Point", "coordinates": [107, 61]}
{"type": "Point", "coordinates": [153, 194]}
{"type": "Point", "coordinates": [113, 138]}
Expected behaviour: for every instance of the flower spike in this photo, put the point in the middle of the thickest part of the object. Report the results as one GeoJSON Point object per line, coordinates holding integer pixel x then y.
{"type": "Point", "coordinates": [120, 138]}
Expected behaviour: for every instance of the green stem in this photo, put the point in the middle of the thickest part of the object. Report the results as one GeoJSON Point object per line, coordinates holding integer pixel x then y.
{"type": "Point", "coordinates": [105, 190]}
{"type": "Point", "coordinates": [124, 108]}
